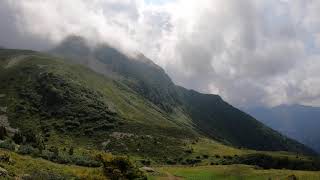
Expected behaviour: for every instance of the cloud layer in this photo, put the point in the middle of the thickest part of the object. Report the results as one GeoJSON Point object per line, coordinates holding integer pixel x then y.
{"type": "Point", "coordinates": [251, 52]}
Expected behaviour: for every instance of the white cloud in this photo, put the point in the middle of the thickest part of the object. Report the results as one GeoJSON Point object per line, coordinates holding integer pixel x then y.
{"type": "Point", "coordinates": [251, 52]}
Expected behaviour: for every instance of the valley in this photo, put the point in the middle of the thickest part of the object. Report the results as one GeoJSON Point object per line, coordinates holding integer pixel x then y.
{"type": "Point", "coordinates": [64, 118]}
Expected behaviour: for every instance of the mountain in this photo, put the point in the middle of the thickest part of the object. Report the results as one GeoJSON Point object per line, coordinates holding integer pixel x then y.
{"type": "Point", "coordinates": [197, 113]}
{"type": "Point", "coordinates": [296, 121]}
{"type": "Point", "coordinates": [98, 98]}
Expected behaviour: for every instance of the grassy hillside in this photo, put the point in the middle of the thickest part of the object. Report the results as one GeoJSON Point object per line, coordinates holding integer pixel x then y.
{"type": "Point", "coordinates": [76, 106]}
{"type": "Point", "coordinates": [206, 114]}
{"type": "Point", "coordinates": [63, 116]}
{"type": "Point", "coordinates": [220, 120]}
{"type": "Point", "coordinates": [37, 168]}
{"type": "Point", "coordinates": [229, 172]}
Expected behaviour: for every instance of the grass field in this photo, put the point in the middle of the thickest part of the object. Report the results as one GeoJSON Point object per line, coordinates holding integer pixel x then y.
{"type": "Point", "coordinates": [229, 172]}
{"type": "Point", "coordinates": [19, 165]}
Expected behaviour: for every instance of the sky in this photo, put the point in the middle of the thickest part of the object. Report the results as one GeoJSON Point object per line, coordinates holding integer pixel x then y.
{"type": "Point", "coordinates": [250, 52]}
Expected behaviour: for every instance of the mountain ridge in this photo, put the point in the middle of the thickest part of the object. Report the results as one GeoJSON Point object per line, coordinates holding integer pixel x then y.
{"type": "Point", "coordinates": [296, 121]}
{"type": "Point", "coordinates": [156, 86]}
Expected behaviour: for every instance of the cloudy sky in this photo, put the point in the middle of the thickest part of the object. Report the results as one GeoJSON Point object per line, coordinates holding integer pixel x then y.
{"type": "Point", "coordinates": [251, 52]}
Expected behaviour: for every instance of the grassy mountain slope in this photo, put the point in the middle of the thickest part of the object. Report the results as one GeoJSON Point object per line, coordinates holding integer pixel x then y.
{"type": "Point", "coordinates": [72, 106]}
{"type": "Point", "coordinates": [220, 120]}
{"type": "Point", "coordinates": [207, 114]}
{"type": "Point", "coordinates": [70, 114]}
{"type": "Point", "coordinates": [230, 172]}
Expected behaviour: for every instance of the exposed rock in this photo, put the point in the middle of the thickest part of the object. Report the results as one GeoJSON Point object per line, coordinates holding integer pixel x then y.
{"type": "Point", "coordinates": [147, 169]}
{"type": "Point", "coordinates": [120, 135]}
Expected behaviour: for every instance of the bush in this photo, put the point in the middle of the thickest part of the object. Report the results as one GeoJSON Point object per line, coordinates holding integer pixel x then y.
{"type": "Point", "coordinates": [193, 161]}
{"type": "Point", "coordinates": [5, 158]}
{"type": "Point", "coordinates": [7, 144]}
{"type": "Point", "coordinates": [71, 151]}
{"type": "Point", "coordinates": [27, 149]}
{"type": "Point", "coordinates": [268, 162]}
{"type": "Point", "coordinates": [62, 158]}
{"type": "Point", "coordinates": [55, 151]}
{"type": "Point", "coordinates": [30, 136]}
{"type": "Point", "coordinates": [146, 162]}
{"type": "Point", "coordinates": [46, 154]}
{"type": "Point", "coordinates": [121, 168]}
{"type": "Point", "coordinates": [85, 161]}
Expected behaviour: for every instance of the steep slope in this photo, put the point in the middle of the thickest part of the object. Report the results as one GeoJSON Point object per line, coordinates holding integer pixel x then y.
{"type": "Point", "coordinates": [220, 120]}
{"type": "Point", "coordinates": [207, 114]}
{"type": "Point", "coordinates": [140, 73]}
{"type": "Point", "coordinates": [71, 105]}
{"type": "Point", "coordinates": [296, 121]}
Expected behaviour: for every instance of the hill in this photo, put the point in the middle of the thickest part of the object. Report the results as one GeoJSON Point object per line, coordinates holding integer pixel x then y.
{"type": "Point", "coordinates": [55, 109]}
{"type": "Point", "coordinates": [295, 121]}
{"type": "Point", "coordinates": [203, 113]}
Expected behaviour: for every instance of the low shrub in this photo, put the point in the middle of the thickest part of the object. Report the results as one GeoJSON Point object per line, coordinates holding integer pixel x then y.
{"type": "Point", "coordinates": [85, 161]}
{"type": "Point", "coordinates": [5, 158]}
{"type": "Point", "coordinates": [7, 144]}
{"type": "Point", "coordinates": [28, 150]}
{"type": "Point", "coordinates": [121, 168]}
{"type": "Point", "coordinates": [268, 162]}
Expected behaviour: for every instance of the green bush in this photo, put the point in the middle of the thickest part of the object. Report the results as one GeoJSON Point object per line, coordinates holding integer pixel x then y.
{"type": "Point", "coordinates": [27, 149]}
{"type": "Point", "coordinates": [48, 155]}
{"type": "Point", "coordinates": [121, 168]}
{"type": "Point", "coordinates": [71, 151]}
{"type": "Point", "coordinates": [7, 144]}
{"type": "Point", "coordinates": [85, 161]}
{"type": "Point", "coordinates": [270, 162]}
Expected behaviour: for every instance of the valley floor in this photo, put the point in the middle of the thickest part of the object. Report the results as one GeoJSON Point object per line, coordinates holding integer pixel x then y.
{"type": "Point", "coordinates": [228, 172]}
{"type": "Point", "coordinates": [21, 166]}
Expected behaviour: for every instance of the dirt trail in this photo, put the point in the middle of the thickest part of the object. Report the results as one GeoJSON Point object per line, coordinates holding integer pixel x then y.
{"type": "Point", "coordinates": [15, 60]}
{"type": "Point", "coordinates": [4, 118]}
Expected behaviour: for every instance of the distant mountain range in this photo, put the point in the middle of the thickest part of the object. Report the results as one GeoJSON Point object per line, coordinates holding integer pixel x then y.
{"type": "Point", "coordinates": [296, 121]}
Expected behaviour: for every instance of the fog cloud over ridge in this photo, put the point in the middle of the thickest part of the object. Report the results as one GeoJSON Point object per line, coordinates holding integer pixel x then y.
{"type": "Point", "coordinates": [251, 52]}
